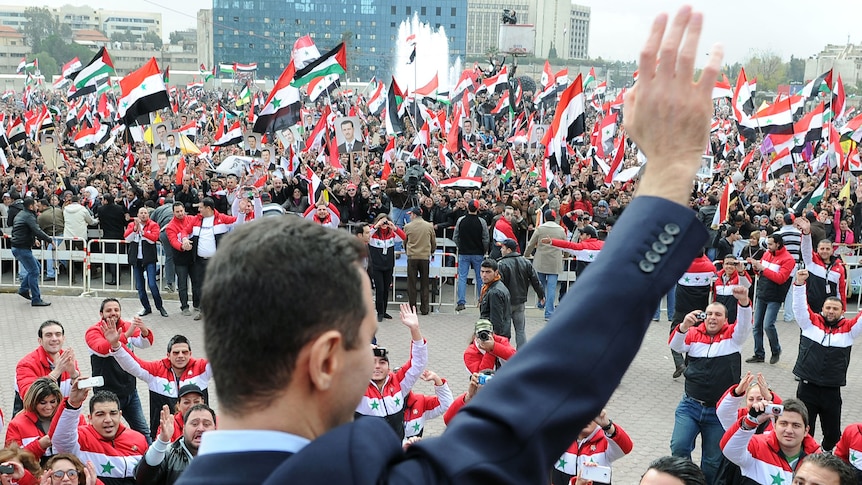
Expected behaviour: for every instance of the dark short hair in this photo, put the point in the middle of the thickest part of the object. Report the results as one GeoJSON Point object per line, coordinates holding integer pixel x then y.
{"type": "Point", "coordinates": [779, 241]}
{"type": "Point", "coordinates": [198, 407]}
{"type": "Point", "coordinates": [347, 122]}
{"type": "Point", "coordinates": [106, 301]}
{"type": "Point", "coordinates": [50, 323]}
{"type": "Point", "coordinates": [489, 263]}
{"type": "Point", "coordinates": [846, 473]}
{"type": "Point", "coordinates": [288, 250]}
{"type": "Point", "coordinates": [359, 229]}
{"type": "Point", "coordinates": [208, 202]}
{"type": "Point", "coordinates": [103, 396]}
{"type": "Point", "coordinates": [178, 339]}
{"type": "Point", "coordinates": [179, 204]}
{"type": "Point", "coordinates": [682, 468]}
{"type": "Point", "coordinates": [29, 202]}
{"type": "Point", "coordinates": [796, 406]}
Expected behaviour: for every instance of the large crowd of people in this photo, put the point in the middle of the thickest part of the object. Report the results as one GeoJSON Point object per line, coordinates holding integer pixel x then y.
{"type": "Point", "coordinates": [727, 264]}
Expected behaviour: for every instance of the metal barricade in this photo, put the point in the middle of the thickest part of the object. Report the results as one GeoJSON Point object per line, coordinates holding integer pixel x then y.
{"type": "Point", "coordinates": [61, 258]}
{"type": "Point", "coordinates": [110, 256]}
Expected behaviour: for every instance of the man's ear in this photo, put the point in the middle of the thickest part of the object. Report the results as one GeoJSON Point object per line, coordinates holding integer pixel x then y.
{"type": "Point", "coordinates": [325, 359]}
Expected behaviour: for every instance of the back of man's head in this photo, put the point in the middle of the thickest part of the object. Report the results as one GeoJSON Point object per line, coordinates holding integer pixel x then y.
{"type": "Point", "coordinates": [825, 461]}
{"type": "Point", "coordinates": [330, 297]}
{"type": "Point", "coordinates": [682, 469]}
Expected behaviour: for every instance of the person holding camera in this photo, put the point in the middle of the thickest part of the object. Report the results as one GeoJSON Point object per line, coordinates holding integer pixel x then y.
{"type": "Point", "coordinates": [477, 381]}
{"type": "Point", "coordinates": [826, 270]}
{"type": "Point", "coordinates": [714, 364]}
{"type": "Point", "coordinates": [824, 356]}
{"type": "Point", "coordinates": [770, 458]}
{"type": "Point", "coordinates": [731, 274]}
{"type": "Point", "coordinates": [381, 251]}
{"type": "Point", "coordinates": [600, 443]}
{"type": "Point", "coordinates": [386, 394]}
{"type": "Point", "coordinates": [487, 350]}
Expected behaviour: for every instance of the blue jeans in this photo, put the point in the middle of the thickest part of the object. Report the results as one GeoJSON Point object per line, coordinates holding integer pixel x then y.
{"type": "Point", "coordinates": [519, 321]}
{"type": "Point", "coordinates": [30, 280]}
{"type": "Point", "coordinates": [690, 419]}
{"type": "Point", "coordinates": [151, 282]}
{"type": "Point", "coordinates": [170, 270]}
{"type": "Point", "coordinates": [465, 262]}
{"type": "Point", "coordinates": [50, 271]}
{"type": "Point", "coordinates": [765, 313]}
{"type": "Point", "coordinates": [788, 307]}
{"type": "Point", "coordinates": [133, 412]}
{"type": "Point", "coordinates": [549, 283]}
{"type": "Point", "coordinates": [671, 304]}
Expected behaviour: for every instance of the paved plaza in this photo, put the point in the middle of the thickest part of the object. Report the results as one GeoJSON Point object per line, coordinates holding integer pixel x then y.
{"type": "Point", "coordinates": [643, 405]}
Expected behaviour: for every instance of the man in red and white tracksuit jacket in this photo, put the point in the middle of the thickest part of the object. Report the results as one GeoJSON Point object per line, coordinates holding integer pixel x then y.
{"type": "Point", "coordinates": [387, 391]}
{"type": "Point", "coordinates": [46, 361]}
{"type": "Point", "coordinates": [849, 448]}
{"type": "Point", "coordinates": [502, 231]}
{"type": "Point", "coordinates": [114, 449]}
{"type": "Point", "coordinates": [420, 407]}
{"type": "Point", "coordinates": [732, 274]}
{"type": "Point", "coordinates": [770, 457]}
{"type": "Point", "coordinates": [596, 444]}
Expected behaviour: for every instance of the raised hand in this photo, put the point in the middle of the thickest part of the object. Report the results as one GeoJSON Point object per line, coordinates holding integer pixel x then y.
{"type": "Point", "coordinates": [166, 420]}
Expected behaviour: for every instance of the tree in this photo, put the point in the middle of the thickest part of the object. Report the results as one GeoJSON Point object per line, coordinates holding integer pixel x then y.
{"type": "Point", "coordinates": [347, 37]}
{"type": "Point", "coordinates": [40, 25]}
{"type": "Point", "coordinates": [47, 65]}
{"type": "Point", "coordinates": [153, 38]}
{"type": "Point", "coordinates": [796, 70]}
{"type": "Point", "coordinates": [175, 38]}
{"type": "Point", "coordinates": [768, 68]}
{"type": "Point", "coordinates": [552, 52]}
{"type": "Point", "coordinates": [64, 52]}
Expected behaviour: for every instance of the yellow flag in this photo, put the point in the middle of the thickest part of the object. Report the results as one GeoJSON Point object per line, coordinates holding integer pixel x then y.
{"type": "Point", "coordinates": [844, 194]}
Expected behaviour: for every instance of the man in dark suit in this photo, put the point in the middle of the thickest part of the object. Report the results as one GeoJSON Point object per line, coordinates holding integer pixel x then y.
{"type": "Point", "coordinates": [351, 144]}
{"type": "Point", "coordinates": [252, 150]}
{"type": "Point", "coordinates": [172, 150]}
{"type": "Point", "coordinates": [291, 420]}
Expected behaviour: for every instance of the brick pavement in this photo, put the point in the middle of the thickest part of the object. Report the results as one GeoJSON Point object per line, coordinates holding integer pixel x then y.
{"type": "Point", "coordinates": [644, 404]}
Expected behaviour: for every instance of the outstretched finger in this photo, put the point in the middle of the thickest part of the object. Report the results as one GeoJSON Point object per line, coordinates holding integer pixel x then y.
{"type": "Point", "coordinates": [671, 42]}
{"type": "Point", "coordinates": [688, 51]}
{"type": "Point", "coordinates": [710, 72]}
{"type": "Point", "coordinates": [649, 53]}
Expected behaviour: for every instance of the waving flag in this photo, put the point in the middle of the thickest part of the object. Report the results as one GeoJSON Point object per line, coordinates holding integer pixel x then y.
{"type": "Point", "coordinates": [99, 68]}
{"type": "Point", "coordinates": [143, 92]}
{"type": "Point", "coordinates": [333, 62]}
{"type": "Point", "coordinates": [304, 52]}
{"type": "Point", "coordinates": [232, 137]}
{"type": "Point", "coordinates": [322, 85]}
{"type": "Point", "coordinates": [282, 107]}
{"type": "Point", "coordinates": [71, 67]}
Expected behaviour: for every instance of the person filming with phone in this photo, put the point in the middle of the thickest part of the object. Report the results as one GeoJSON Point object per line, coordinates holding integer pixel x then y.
{"type": "Point", "coordinates": [714, 364]}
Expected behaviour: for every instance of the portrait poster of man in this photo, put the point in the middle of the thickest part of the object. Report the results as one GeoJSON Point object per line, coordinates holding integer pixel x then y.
{"type": "Point", "coordinates": [252, 145]}
{"type": "Point", "coordinates": [348, 134]}
{"type": "Point", "coordinates": [160, 134]}
{"type": "Point", "coordinates": [48, 151]}
{"type": "Point", "coordinates": [267, 158]}
{"type": "Point", "coordinates": [160, 162]}
{"type": "Point", "coordinates": [290, 137]}
{"type": "Point", "coordinates": [705, 170]}
{"type": "Point", "coordinates": [172, 145]}
{"type": "Point", "coordinates": [537, 135]}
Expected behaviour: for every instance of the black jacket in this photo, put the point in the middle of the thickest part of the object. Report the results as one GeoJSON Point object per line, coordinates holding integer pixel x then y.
{"type": "Point", "coordinates": [496, 306]}
{"type": "Point", "coordinates": [14, 209]}
{"type": "Point", "coordinates": [518, 274]}
{"type": "Point", "coordinates": [471, 235]}
{"type": "Point", "coordinates": [25, 230]}
{"type": "Point", "coordinates": [176, 460]}
{"type": "Point", "coordinates": [112, 220]}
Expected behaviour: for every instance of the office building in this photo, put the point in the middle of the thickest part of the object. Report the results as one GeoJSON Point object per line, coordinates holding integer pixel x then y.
{"type": "Point", "coordinates": [483, 23]}
{"type": "Point", "coordinates": [264, 31]}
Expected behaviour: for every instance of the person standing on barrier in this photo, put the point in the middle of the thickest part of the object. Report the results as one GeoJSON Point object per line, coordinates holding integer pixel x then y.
{"type": "Point", "coordinates": [179, 235]}
{"type": "Point", "coordinates": [112, 220]}
{"type": "Point", "coordinates": [51, 221]}
{"type": "Point", "coordinates": [24, 233]}
{"type": "Point", "coordinates": [142, 234]}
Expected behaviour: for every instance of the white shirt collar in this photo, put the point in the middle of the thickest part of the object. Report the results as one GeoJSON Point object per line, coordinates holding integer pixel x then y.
{"type": "Point", "coordinates": [238, 441]}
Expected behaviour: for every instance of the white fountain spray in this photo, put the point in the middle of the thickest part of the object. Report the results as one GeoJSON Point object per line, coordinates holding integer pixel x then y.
{"type": "Point", "coordinates": [432, 56]}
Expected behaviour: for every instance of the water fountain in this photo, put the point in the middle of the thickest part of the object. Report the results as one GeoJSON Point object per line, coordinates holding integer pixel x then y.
{"type": "Point", "coordinates": [432, 56]}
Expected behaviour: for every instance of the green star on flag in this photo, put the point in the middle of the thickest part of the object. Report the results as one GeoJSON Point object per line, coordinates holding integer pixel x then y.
{"type": "Point", "coordinates": [167, 388]}
{"type": "Point", "coordinates": [561, 463]}
{"type": "Point", "coordinates": [687, 279]}
{"type": "Point", "coordinates": [375, 404]}
{"type": "Point", "coordinates": [107, 468]}
{"type": "Point", "coordinates": [852, 456]}
{"type": "Point", "coordinates": [397, 401]}
{"type": "Point", "coordinates": [416, 427]}
{"type": "Point", "coordinates": [276, 103]}
{"type": "Point", "coordinates": [143, 86]}
{"type": "Point", "coordinates": [776, 479]}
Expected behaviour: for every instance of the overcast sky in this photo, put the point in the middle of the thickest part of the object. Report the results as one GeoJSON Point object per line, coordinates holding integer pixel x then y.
{"type": "Point", "coordinates": [619, 27]}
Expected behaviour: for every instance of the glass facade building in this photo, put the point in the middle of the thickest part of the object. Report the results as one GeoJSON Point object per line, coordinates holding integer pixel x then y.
{"type": "Point", "coordinates": [264, 31]}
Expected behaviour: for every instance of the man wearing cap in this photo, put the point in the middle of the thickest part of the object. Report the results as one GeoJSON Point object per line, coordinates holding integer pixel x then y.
{"type": "Point", "coordinates": [164, 377]}
{"type": "Point", "coordinates": [487, 350]}
{"type": "Point", "coordinates": [494, 299]}
{"type": "Point", "coordinates": [4, 208]}
{"type": "Point", "coordinates": [421, 243]}
{"type": "Point", "coordinates": [25, 231]}
{"type": "Point", "coordinates": [471, 238]}
{"type": "Point", "coordinates": [387, 391]}
{"type": "Point", "coordinates": [168, 457]}
{"type": "Point", "coordinates": [548, 260]}
{"type": "Point", "coordinates": [518, 274]}
{"type": "Point", "coordinates": [585, 250]}
{"type": "Point", "coordinates": [503, 230]}
{"type": "Point", "coordinates": [189, 395]}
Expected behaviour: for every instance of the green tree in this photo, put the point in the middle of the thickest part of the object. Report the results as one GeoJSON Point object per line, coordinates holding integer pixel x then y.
{"type": "Point", "coordinates": [175, 38]}
{"type": "Point", "coordinates": [796, 70]}
{"type": "Point", "coordinates": [64, 52]}
{"type": "Point", "coordinates": [40, 24]}
{"type": "Point", "coordinates": [552, 52]}
{"type": "Point", "coordinates": [47, 65]}
{"type": "Point", "coordinates": [154, 39]}
{"type": "Point", "coordinates": [768, 68]}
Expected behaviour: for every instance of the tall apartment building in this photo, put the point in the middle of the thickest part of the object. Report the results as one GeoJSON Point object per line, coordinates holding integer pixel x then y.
{"type": "Point", "coordinates": [205, 37]}
{"type": "Point", "coordinates": [87, 18]}
{"type": "Point", "coordinates": [264, 31]}
{"type": "Point", "coordinates": [844, 59]}
{"type": "Point", "coordinates": [12, 49]}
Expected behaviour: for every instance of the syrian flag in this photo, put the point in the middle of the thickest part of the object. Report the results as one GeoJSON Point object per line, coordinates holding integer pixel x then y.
{"type": "Point", "coordinates": [315, 139]}
{"type": "Point", "coordinates": [853, 129]}
{"type": "Point", "coordinates": [498, 83]}
{"type": "Point", "coordinates": [238, 67]}
{"type": "Point", "coordinates": [470, 169]}
{"type": "Point", "coordinates": [333, 62]}
{"type": "Point", "coordinates": [812, 197]}
{"type": "Point", "coordinates": [282, 107]}
{"type": "Point", "coordinates": [304, 52]}
{"type": "Point", "coordinates": [462, 182]}
{"type": "Point", "coordinates": [810, 127]}
{"type": "Point", "coordinates": [190, 130]}
{"type": "Point", "coordinates": [502, 106]}
{"type": "Point", "coordinates": [143, 92]}
{"type": "Point", "coordinates": [15, 132]}
{"type": "Point", "coordinates": [568, 124]}
{"type": "Point", "coordinates": [423, 136]}
{"type": "Point", "coordinates": [547, 75]}
{"type": "Point", "coordinates": [822, 83]}
{"type": "Point", "coordinates": [71, 67]}
{"type": "Point", "coordinates": [99, 68]}
{"type": "Point", "coordinates": [722, 213]}
{"type": "Point", "coordinates": [781, 164]}
{"type": "Point", "coordinates": [429, 89]}
{"type": "Point", "coordinates": [291, 163]}
{"type": "Point", "coordinates": [465, 85]}
{"type": "Point", "coordinates": [86, 136]}
{"type": "Point", "coordinates": [315, 186]}
{"type": "Point", "coordinates": [838, 102]}
{"type": "Point", "coordinates": [232, 137]}
{"type": "Point", "coordinates": [607, 131]}
{"type": "Point", "coordinates": [128, 162]}
{"type": "Point", "coordinates": [722, 88]}
{"type": "Point", "coordinates": [377, 100]}
{"type": "Point", "coordinates": [394, 125]}
{"type": "Point", "coordinates": [617, 162]}
{"type": "Point", "coordinates": [322, 85]}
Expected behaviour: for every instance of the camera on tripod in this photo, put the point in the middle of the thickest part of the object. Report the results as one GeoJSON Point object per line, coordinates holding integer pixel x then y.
{"type": "Point", "coordinates": [413, 177]}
